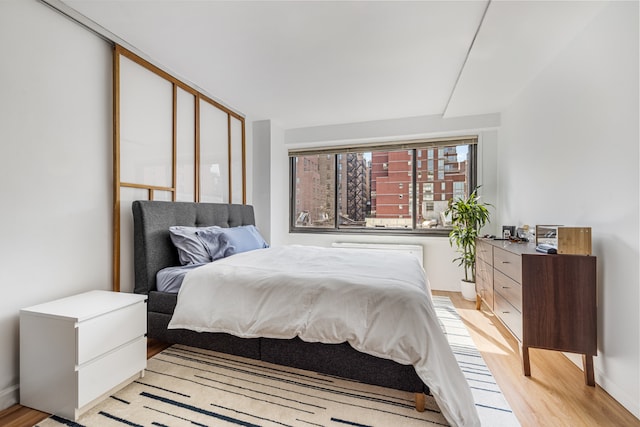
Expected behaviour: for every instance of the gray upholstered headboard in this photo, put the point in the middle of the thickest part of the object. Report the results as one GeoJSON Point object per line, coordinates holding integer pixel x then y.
{"type": "Point", "coordinates": [153, 249]}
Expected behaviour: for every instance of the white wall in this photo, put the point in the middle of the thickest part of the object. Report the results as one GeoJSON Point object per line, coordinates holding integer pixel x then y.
{"type": "Point", "coordinates": [55, 167]}
{"type": "Point", "coordinates": [261, 183]}
{"type": "Point", "coordinates": [568, 150]}
{"type": "Point", "coordinates": [442, 273]}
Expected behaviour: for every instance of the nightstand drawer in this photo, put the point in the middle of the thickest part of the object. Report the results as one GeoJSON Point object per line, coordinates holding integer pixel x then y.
{"type": "Point", "coordinates": [105, 373]}
{"type": "Point", "coordinates": [508, 263]}
{"type": "Point", "coordinates": [509, 289]}
{"type": "Point", "coordinates": [104, 333]}
{"type": "Point", "coordinates": [511, 317]}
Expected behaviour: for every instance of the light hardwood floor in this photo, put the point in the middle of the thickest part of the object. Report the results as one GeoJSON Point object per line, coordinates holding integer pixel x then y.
{"type": "Point", "coordinates": [555, 394]}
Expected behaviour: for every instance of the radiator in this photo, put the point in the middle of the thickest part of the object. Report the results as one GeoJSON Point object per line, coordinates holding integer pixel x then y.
{"type": "Point", "coordinates": [415, 250]}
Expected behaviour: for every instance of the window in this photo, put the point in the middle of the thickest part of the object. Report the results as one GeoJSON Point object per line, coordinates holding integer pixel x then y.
{"type": "Point", "coordinates": [314, 192]}
{"type": "Point", "coordinates": [361, 191]}
{"type": "Point", "coordinates": [458, 189]}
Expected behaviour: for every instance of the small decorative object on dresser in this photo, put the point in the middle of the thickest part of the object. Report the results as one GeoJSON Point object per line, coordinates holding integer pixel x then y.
{"type": "Point", "coordinates": [75, 351]}
{"type": "Point", "coordinates": [545, 300]}
{"type": "Point", "coordinates": [566, 240]}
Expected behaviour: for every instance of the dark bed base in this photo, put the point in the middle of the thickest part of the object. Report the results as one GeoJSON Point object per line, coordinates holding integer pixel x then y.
{"type": "Point", "coordinates": [153, 251]}
{"type": "Point", "coordinates": [331, 359]}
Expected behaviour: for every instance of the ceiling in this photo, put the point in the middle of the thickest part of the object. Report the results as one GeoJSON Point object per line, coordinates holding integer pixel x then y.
{"type": "Point", "coordinates": [311, 63]}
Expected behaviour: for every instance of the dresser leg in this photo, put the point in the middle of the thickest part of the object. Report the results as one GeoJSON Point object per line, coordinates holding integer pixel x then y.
{"type": "Point", "coordinates": [526, 364]}
{"type": "Point", "coordinates": [587, 364]}
{"type": "Point", "coordinates": [478, 301]}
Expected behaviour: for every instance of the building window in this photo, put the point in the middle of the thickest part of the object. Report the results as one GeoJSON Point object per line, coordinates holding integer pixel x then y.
{"type": "Point", "coordinates": [358, 191]}
{"type": "Point", "coordinates": [459, 189]}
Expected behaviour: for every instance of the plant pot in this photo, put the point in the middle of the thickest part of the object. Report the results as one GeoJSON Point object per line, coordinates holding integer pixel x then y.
{"type": "Point", "coordinates": [468, 290]}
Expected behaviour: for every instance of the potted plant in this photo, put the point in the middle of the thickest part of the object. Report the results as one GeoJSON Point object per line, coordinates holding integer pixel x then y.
{"type": "Point", "coordinates": [468, 216]}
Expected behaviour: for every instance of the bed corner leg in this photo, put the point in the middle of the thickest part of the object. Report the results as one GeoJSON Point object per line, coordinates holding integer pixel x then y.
{"type": "Point", "coordinates": [420, 402]}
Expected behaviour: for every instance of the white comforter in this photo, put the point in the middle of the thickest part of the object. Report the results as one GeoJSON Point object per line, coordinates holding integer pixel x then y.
{"type": "Point", "coordinates": [377, 301]}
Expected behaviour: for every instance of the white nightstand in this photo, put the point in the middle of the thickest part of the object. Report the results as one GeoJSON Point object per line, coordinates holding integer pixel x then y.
{"type": "Point", "coordinates": [77, 350]}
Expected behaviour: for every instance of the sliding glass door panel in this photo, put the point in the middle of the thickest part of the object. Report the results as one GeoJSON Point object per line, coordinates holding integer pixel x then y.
{"type": "Point", "coordinates": [185, 146]}
{"type": "Point", "coordinates": [214, 154]}
{"type": "Point", "coordinates": [171, 142]}
{"type": "Point", "coordinates": [237, 164]}
{"type": "Point", "coordinates": [146, 131]}
{"type": "Point", "coordinates": [127, 196]}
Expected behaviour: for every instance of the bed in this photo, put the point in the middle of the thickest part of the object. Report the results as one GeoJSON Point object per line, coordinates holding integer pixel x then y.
{"type": "Point", "coordinates": [155, 251]}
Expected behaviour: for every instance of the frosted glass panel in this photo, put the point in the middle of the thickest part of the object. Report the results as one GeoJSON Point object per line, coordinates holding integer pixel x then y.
{"type": "Point", "coordinates": [214, 154]}
{"type": "Point", "coordinates": [237, 179]}
{"type": "Point", "coordinates": [146, 117]}
{"type": "Point", "coordinates": [164, 196]}
{"type": "Point", "coordinates": [127, 196]}
{"type": "Point", "coordinates": [186, 160]}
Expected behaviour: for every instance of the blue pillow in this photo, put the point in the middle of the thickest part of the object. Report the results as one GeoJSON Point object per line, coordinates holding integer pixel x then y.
{"type": "Point", "coordinates": [223, 242]}
{"type": "Point", "coordinates": [190, 248]}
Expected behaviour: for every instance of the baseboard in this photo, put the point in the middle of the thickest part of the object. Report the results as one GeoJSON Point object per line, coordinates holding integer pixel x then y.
{"type": "Point", "coordinates": [612, 390]}
{"type": "Point", "coordinates": [9, 396]}
{"type": "Point", "coordinates": [632, 405]}
{"type": "Point", "coordinates": [576, 359]}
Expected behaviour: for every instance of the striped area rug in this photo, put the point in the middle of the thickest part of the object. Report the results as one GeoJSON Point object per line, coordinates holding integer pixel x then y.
{"type": "Point", "coordinates": [493, 409]}
{"type": "Point", "coordinates": [185, 386]}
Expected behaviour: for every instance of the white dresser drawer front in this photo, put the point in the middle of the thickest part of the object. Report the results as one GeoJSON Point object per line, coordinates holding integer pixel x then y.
{"type": "Point", "coordinates": [511, 317]}
{"type": "Point", "coordinates": [104, 333]}
{"type": "Point", "coordinates": [509, 289]}
{"type": "Point", "coordinates": [509, 263]}
{"type": "Point", "coordinates": [105, 373]}
{"type": "Point", "coordinates": [484, 252]}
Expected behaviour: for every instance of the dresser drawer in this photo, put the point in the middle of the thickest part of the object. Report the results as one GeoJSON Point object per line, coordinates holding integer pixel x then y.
{"type": "Point", "coordinates": [105, 373]}
{"type": "Point", "coordinates": [508, 263]}
{"type": "Point", "coordinates": [484, 252]}
{"type": "Point", "coordinates": [509, 289]}
{"type": "Point", "coordinates": [104, 333]}
{"type": "Point", "coordinates": [484, 281]}
{"type": "Point", "coordinates": [509, 315]}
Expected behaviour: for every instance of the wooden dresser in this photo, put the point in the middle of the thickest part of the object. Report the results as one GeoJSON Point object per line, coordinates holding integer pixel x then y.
{"type": "Point", "coordinates": [546, 301]}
